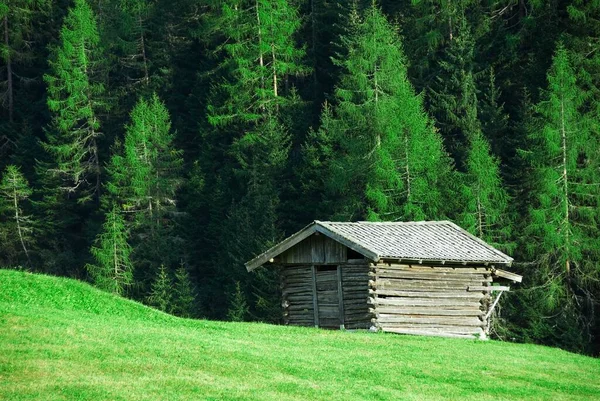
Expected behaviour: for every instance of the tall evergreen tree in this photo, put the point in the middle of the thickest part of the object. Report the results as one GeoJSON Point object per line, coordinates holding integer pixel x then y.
{"type": "Point", "coordinates": [161, 294]}
{"type": "Point", "coordinates": [16, 233]}
{"type": "Point", "coordinates": [486, 202]}
{"type": "Point", "coordinates": [563, 235]}
{"type": "Point", "coordinates": [184, 297]}
{"type": "Point", "coordinates": [15, 49]}
{"type": "Point", "coordinates": [143, 180]}
{"type": "Point", "coordinates": [387, 162]}
{"type": "Point", "coordinates": [75, 97]}
{"type": "Point", "coordinates": [113, 270]}
{"type": "Point", "coordinates": [260, 59]}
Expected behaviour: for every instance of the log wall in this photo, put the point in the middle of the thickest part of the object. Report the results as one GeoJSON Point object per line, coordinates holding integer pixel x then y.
{"type": "Point", "coordinates": [297, 295]}
{"type": "Point", "coordinates": [327, 296]}
{"type": "Point", "coordinates": [417, 299]}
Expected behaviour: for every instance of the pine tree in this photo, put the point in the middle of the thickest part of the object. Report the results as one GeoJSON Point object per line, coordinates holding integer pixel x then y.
{"type": "Point", "coordinates": [161, 296]}
{"type": "Point", "coordinates": [563, 235]}
{"type": "Point", "coordinates": [387, 160]}
{"type": "Point", "coordinates": [184, 298]}
{"type": "Point", "coordinates": [14, 193]}
{"type": "Point", "coordinates": [113, 270]}
{"type": "Point", "coordinates": [75, 97]}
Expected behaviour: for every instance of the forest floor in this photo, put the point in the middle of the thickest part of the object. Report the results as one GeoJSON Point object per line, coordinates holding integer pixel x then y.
{"type": "Point", "coordinates": [61, 339]}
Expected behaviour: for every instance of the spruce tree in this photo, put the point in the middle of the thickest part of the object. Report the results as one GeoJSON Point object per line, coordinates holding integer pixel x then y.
{"type": "Point", "coordinates": [238, 307]}
{"type": "Point", "coordinates": [387, 162]}
{"type": "Point", "coordinates": [17, 232]}
{"type": "Point", "coordinates": [75, 97]}
{"type": "Point", "coordinates": [184, 297]}
{"type": "Point", "coordinates": [161, 296]}
{"type": "Point", "coordinates": [250, 136]}
{"type": "Point", "coordinates": [485, 206]}
{"type": "Point", "coordinates": [15, 47]}
{"type": "Point", "coordinates": [113, 270]}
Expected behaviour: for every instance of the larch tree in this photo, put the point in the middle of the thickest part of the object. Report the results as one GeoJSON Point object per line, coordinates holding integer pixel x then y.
{"type": "Point", "coordinates": [75, 97]}
{"type": "Point", "coordinates": [113, 270]}
{"type": "Point", "coordinates": [17, 233]}
{"type": "Point", "coordinates": [563, 234]}
{"type": "Point", "coordinates": [144, 177]}
{"type": "Point", "coordinates": [387, 161]}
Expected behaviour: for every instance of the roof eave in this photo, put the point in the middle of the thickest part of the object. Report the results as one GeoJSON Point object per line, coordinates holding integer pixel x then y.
{"type": "Point", "coordinates": [447, 261]}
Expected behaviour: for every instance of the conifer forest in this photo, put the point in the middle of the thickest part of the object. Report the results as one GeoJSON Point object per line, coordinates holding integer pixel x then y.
{"type": "Point", "coordinates": [152, 147]}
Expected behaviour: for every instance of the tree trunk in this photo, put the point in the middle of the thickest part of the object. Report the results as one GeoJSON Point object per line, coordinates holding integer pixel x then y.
{"type": "Point", "coordinates": [261, 61]}
{"type": "Point", "coordinates": [146, 78]}
{"type": "Point", "coordinates": [565, 184]}
{"type": "Point", "coordinates": [18, 220]}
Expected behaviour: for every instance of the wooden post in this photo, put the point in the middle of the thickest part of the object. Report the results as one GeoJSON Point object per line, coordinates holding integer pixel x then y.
{"type": "Point", "coordinates": [340, 297]}
{"type": "Point", "coordinates": [314, 294]}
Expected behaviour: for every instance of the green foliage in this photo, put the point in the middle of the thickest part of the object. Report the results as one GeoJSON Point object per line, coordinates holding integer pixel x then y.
{"type": "Point", "coordinates": [113, 271]}
{"type": "Point", "coordinates": [486, 201]}
{"type": "Point", "coordinates": [184, 296]}
{"type": "Point", "coordinates": [562, 231]}
{"type": "Point", "coordinates": [386, 161]}
{"type": "Point", "coordinates": [485, 204]}
{"type": "Point", "coordinates": [16, 228]}
{"type": "Point", "coordinates": [146, 177]}
{"type": "Point", "coordinates": [259, 54]}
{"type": "Point", "coordinates": [563, 157]}
{"type": "Point", "coordinates": [75, 96]}
{"type": "Point", "coordinates": [238, 308]}
{"type": "Point", "coordinates": [161, 294]}
{"type": "Point", "coordinates": [143, 180]}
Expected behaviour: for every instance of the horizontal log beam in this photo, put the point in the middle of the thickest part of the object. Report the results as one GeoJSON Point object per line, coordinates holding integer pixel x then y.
{"type": "Point", "coordinates": [432, 311]}
{"type": "Point", "coordinates": [474, 288]}
{"type": "Point", "coordinates": [445, 303]}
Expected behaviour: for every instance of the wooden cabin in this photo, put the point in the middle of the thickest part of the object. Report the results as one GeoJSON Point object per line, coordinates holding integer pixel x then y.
{"type": "Point", "coordinates": [425, 278]}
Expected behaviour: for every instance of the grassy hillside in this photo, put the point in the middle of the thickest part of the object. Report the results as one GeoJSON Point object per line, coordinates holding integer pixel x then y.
{"type": "Point", "coordinates": [63, 340]}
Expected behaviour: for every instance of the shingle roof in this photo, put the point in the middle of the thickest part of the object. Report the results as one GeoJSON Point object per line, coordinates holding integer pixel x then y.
{"type": "Point", "coordinates": [423, 240]}
{"type": "Point", "coordinates": [434, 241]}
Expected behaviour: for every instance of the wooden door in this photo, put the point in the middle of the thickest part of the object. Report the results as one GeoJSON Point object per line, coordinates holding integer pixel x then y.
{"type": "Point", "coordinates": [328, 297]}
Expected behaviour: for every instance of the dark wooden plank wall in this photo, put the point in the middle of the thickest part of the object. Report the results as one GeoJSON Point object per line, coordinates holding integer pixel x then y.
{"type": "Point", "coordinates": [417, 299]}
{"type": "Point", "coordinates": [355, 284]}
{"type": "Point", "coordinates": [316, 249]}
{"type": "Point", "coordinates": [297, 295]}
{"type": "Point", "coordinates": [298, 301]}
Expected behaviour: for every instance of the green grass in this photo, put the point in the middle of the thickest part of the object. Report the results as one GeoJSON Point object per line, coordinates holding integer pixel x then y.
{"type": "Point", "coordinates": [61, 339]}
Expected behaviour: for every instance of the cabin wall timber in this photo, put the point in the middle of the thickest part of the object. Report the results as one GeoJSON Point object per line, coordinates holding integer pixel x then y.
{"type": "Point", "coordinates": [316, 249]}
{"type": "Point", "coordinates": [430, 300]}
{"type": "Point", "coordinates": [327, 296]}
{"type": "Point", "coordinates": [425, 278]}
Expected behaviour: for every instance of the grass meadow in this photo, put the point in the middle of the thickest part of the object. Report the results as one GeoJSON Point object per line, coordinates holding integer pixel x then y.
{"type": "Point", "coordinates": [61, 339]}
